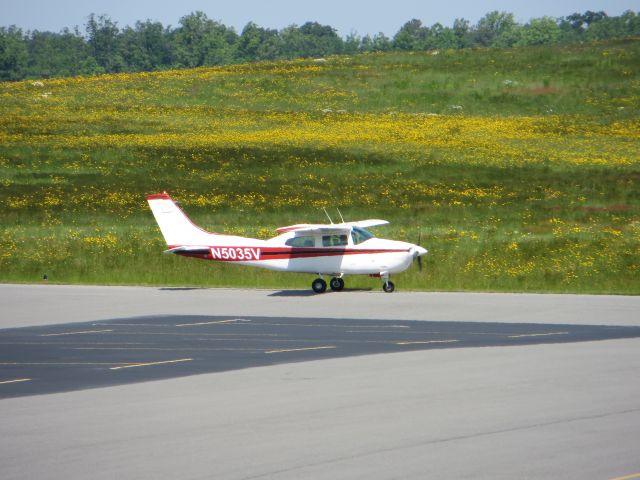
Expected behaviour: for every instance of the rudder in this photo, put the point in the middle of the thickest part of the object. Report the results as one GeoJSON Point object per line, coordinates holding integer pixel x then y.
{"type": "Point", "coordinates": [175, 226]}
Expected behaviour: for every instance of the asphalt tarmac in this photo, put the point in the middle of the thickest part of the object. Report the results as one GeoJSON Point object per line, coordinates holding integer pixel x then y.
{"type": "Point", "coordinates": [526, 386]}
{"type": "Point", "coordinates": [59, 358]}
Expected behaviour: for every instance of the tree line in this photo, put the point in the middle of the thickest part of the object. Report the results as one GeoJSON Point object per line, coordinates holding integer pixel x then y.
{"type": "Point", "coordinates": [199, 41]}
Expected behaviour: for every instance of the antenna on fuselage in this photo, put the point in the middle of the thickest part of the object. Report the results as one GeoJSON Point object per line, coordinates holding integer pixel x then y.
{"type": "Point", "coordinates": [325, 212]}
{"type": "Point", "coordinates": [339, 213]}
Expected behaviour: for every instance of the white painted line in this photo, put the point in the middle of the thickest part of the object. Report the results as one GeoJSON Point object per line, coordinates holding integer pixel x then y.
{"type": "Point", "coordinates": [426, 342]}
{"type": "Point", "coordinates": [84, 332]}
{"type": "Point", "coordinates": [206, 323]}
{"type": "Point", "coordinates": [538, 334]}
{"type": "Point", "coordinates": [17, 380]}
{"type": "Point", "coordinates": [133, 365]}
{"type": "Point", "coordinates": [377, 326]}
{"type": "Point", "coordinates": [55, 363]}
{"type": "Point", "coordinates": [299, 349]}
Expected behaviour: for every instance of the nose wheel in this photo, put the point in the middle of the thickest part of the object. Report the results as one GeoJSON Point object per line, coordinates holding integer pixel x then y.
{"type": "Point", "coordinates": [388, 286]}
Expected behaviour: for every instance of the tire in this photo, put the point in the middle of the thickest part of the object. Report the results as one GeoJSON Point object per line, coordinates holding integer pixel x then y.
{"type": "Point", "coordinates": [336, 284]}
{"type": "Point", "coordinates": [388, 287]}
{"type": "Point", "coordinates": [319, 285]}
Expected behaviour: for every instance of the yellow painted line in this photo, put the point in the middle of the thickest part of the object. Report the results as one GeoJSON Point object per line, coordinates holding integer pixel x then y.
{"type": "Point", "coordinates": [17, 380]}
{"type": "Point", "coordinates": [299, 349]}
{"type": "Point", "coordinates": [149, 364]}
{"type": "Point", "coordinates": [426, 342]}
{"type": "Point", "coordinates": [538, 334]}
{"type": "Point", "coordinates": [206, 323]}
{"type": "Point", "coordinates": [84, 332]}
{"type": "Point", "coordinates": [628, 477]}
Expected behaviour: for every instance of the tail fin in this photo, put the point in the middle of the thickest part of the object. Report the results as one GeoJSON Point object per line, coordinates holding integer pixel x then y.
{"type": "Point", "coordinates": [175, 226]}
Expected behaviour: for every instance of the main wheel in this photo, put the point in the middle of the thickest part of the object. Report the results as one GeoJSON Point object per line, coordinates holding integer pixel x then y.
{"type": "Point", "coordinates": [336, 284]}
{"type": "Point", "coordinates": [319, 285]}
{"type": "Point", "coordinates": [388, 287]}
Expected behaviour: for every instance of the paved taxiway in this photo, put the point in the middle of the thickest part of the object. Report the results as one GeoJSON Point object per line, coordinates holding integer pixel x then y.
{"type": "Point", "coordinates": [566, 410]}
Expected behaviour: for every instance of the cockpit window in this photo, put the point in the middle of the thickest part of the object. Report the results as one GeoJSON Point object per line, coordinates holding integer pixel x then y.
{"type": "Point", "coordinates": [359, 235]}
{"type": "Point", "coordinates": [334, 240]}
{"type": "Point", "coordinates": [307, 242]}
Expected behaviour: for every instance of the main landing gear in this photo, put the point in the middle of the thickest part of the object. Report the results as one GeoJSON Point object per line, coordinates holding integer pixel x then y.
{"type": "Point", "coordinates": [337, 284]}
{"type": "Point", "coordinates": [320, 286]}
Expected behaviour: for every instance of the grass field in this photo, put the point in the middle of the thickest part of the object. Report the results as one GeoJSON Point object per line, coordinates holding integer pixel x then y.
{"type": "Point", "coordinates": [520, 168]}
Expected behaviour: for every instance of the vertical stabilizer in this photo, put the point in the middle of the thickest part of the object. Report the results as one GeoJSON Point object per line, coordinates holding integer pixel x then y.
{"type": "Point", "coordinates": [175, 226]}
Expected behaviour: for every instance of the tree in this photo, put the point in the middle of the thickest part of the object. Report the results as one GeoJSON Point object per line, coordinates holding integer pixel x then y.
{"type": "Point", "coordinates": [13, 54]}
{"type": "Point", "coordinates": [462, 32]}
{"type": "Point", "coordinates": [410, 36]}
{"type": "Point", "coordinates": [320, 40]}
{"type": "Point", "coordinates": [539, 31]}
{"type": "Point", "coordinates": [381, 43]}
{"type": "Point", "coordinates": [103, 38]}
{"type": "Point", "coordinates": [495, 29]}
{"type": "Point", "coordinates": [352, 44]}
{"type": "Point", "coordinates": [439, 36]}
{"type": "Point", "coordinates": [153, 41]}
{"type": "Point", "coordinates": [257, 43]}
{"type": "Point", "coordinates": [200, 41]}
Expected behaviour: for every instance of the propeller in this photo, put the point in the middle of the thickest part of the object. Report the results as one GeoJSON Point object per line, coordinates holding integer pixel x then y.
{"type": "Point", "coordinates": [418, 251]}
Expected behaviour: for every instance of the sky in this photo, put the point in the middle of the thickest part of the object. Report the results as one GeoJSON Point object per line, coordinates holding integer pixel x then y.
{"type": "Point", "coordinates": [346, 16]}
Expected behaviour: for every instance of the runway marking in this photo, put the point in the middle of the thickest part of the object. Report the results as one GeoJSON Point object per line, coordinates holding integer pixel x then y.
{"type": "Point", "coordinates": [374, 326]}
{"type": "Point", "coordinates": [19, 364]}
{"type": "Point", "coordinates": [209, 323]}
{"type": "Point", "coordinates": [538, 334]}
{"type": "Point", "coordinates": [628, 477]}
{"type": "Point", "coordinates": [17, 380]}
{"type": "Point", "coordinates": [169, 349]}
{"type": "Point", "coordinates": [299, 349]}
{"type": "Point", "coordinates": [84, 332]}
{"type": "Point", "coordinates": [370, 331]}
{"type": "Point", "coordinates": [149, 364]}
{"type": "Point", "coordinates": [425, 342]}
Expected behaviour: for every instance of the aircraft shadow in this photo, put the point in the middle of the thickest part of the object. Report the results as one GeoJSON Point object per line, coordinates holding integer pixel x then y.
{"type": "Point", "coordinates": [180, 289]}
{"type": "Point", "coordinates": [311, 293]}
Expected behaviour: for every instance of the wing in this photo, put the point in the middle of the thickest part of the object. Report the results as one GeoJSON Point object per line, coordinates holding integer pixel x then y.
{"type": "Point", "coordinates": [331, 228]}
{"type": "Point", "coordinates": [317, 229]}
{"type": "Point", "coordinates": [373, 222]}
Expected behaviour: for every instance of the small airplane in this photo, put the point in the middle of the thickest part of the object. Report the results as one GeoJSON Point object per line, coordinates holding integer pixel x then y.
{"type": "Point", "coordinates": [334, 250]}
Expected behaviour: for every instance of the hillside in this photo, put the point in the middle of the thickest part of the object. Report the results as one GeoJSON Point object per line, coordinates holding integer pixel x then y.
{"type": "Point", "coordinates": [520, 166]}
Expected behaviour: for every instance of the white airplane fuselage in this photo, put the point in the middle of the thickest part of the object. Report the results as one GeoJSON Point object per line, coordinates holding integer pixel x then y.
{"type": "Point", "coordinates": [371, 257]}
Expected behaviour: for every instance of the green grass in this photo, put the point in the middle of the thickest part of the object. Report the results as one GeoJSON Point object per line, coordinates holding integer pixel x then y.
{"type": "Point", "coordinates": [531, 185]}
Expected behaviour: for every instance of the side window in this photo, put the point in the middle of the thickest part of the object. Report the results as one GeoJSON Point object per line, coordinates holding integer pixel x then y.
{"type": "Point", "coordinates": [334, 240]}
{"type": "Point", "coordinates": [307, 242]}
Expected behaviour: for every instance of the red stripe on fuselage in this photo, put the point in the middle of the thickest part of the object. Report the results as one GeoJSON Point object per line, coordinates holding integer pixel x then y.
{"type": "Point", "coordinates": [243, 254]}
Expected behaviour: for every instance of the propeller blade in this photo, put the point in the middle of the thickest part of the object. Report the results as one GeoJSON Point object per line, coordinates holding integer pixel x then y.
{"type": "Point", "coordinates": [419, 257]}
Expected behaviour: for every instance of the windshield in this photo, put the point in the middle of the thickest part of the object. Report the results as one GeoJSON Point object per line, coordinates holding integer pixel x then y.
{"type": "Point", "coordinates": [359, 235]}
